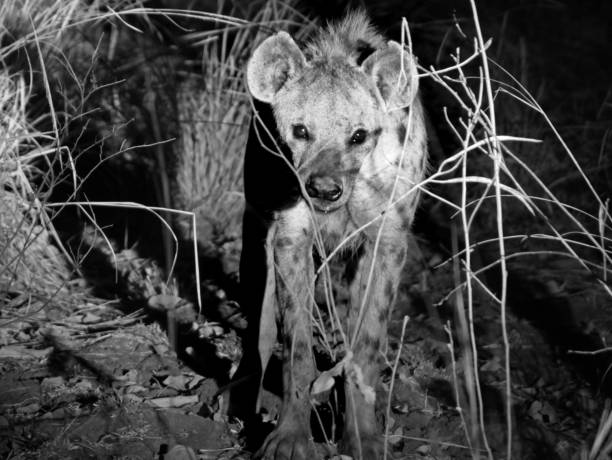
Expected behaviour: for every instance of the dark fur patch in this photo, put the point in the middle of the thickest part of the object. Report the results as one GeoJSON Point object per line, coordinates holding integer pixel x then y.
{"type": "Point", "coordinates": [399, 257]}
{"type": "Point", "coordinates": [368, 342]}
{"type": "Point", "coordinates": [389, 290]}
{"type": "Point", "coordinates": [401, 133]}
{"type": "Point", "coordinates": [352, 263]}
{"type": "Point", "coordinates": [373, 354]}
{"type": "Point", "coordinates": [295, 354]}
{"type": "Point", "coordinates": [424, 163]}
{"type": "Point", "coordinates": [383, 315]}
{"type": "Point", "coordinates": [283, 242]}
{"type": "Point", "coordinates": [333, 236]}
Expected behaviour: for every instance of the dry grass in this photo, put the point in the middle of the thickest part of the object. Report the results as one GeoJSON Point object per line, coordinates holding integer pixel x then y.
{"type": "Point", "coordinates": [39, 53]}
{"type": "Point", "coordinates": [30, 263]}
{"type": "Point", "coordinates": [506, 201]}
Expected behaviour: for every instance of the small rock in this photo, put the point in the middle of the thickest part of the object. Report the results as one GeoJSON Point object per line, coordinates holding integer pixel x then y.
{"type": "Point", "coordinates": [177, 382]}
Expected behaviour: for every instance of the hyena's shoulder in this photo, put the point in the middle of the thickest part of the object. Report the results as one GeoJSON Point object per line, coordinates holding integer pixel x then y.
{"type": "Point", "coordinates": [353, 38]}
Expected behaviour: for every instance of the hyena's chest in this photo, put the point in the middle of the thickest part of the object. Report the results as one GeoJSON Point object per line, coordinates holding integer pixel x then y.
{"type": "Point", "coordinates": [336, 258]}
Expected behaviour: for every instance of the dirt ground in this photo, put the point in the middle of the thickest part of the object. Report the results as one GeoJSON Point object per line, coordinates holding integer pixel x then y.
{"type": "Point", "coordinates": [96, 378]}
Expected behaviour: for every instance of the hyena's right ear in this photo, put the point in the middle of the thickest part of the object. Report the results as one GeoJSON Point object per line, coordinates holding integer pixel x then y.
{"type": "Point", "coordinates": [277, 60]}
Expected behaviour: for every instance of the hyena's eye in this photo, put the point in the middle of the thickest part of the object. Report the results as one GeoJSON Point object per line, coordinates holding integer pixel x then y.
{"type": "Point", "coordinates": [359, 136]}
{"type": "Point", "coordinates": [300, 132]}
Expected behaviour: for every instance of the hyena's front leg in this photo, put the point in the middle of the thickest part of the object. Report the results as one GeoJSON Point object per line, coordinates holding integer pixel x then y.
{"type": "Point", "coordinates": [294, 269]}
{"type": "Point", "coordinates": [372, 294]}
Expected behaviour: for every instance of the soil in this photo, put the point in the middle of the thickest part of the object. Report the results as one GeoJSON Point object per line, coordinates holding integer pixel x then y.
{"type": "Point", "coordinates": [109, 379]}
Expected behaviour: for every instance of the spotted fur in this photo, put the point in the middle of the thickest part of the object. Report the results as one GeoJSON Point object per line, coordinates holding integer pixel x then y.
{"type": "Point", "coordinates": [309, 171]}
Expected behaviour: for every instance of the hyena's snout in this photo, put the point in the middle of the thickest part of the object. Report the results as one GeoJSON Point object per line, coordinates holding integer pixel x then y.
{"type": "Point", "coordinates": [327, 179]}
{"type": "Point", "coordinates": [324, 187]}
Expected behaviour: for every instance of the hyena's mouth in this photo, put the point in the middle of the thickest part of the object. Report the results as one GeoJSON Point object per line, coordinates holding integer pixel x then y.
{"type": "Point", "coordinates": [325, 206]}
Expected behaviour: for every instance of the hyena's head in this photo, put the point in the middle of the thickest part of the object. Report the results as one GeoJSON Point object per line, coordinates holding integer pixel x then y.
{"type": "Point", "coordinates": [333, 101]}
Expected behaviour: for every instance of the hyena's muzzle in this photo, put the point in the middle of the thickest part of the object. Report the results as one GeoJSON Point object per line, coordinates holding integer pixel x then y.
{"type": "Point", "coordinates": [329, 178]}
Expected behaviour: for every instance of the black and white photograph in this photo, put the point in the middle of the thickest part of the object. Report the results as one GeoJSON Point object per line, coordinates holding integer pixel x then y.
{"type": "Point", "coordinates": [306, 229]}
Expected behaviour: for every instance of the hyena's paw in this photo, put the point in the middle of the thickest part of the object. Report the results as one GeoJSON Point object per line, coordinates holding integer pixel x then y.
{"type": "Point", "coordinates": [370, 448]}
{"type": "Point", "coordinates": [288, 441]}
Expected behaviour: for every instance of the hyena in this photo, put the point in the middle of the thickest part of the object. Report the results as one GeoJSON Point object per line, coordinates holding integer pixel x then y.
{"type": "Point", "coordinates": [337, 148]}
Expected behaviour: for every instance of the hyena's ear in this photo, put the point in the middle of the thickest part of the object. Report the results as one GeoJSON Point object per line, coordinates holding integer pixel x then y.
{"type": "Point", "coordinates": [394, 72]}
{"type": "Point", "coordinates": [277, 60]}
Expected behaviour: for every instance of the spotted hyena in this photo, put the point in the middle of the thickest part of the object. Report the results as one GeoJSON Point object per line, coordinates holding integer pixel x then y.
{"type": "Point", "coordinates": [337, 149]}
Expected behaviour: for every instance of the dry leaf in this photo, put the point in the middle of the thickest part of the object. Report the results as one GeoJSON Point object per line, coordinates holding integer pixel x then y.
{"type": "Point", "coordinates": [163, 302]}
{"type": "Point", "coordinates": [178, 382]}
{"type": "Point", "coordinates": [194, 382]}
{"type": "Point", "coordinates": [90, 318]}
{"type": "Point", "coordinates": [319, 391]}
{"type": "Point", "coordinates": [209, 330]}
{"type": "Point", "coordinates": [174, 401]}
{"type": "Point", "coordinates": [21, 351]}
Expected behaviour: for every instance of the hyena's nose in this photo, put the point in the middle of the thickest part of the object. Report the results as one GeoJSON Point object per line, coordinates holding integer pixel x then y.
{"type": "Point", "coordinates": [324, 187]}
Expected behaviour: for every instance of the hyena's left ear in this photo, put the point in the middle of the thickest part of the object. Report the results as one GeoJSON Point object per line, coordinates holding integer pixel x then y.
{"type": "Point", "coordinates": [277, 60]}
{"type": "Point", "coordinates": [394, 72]}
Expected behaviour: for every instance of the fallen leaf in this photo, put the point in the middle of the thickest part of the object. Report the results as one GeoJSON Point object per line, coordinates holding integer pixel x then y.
{"type": "Point", "coordinates": [163, 302]}
{"type": "Point", "coordinates": [396, 436]}
{"type": "Point", "coordinates": [174, 401]}
{"type": "Point", "coordinates": [130, 397]}
{"type": "Point", "coordinates": [543, 412]}
{"type": "Point", "coordinates": [322, 385]}
{"type": "Point", "coordinates": [129, 378]}
{"type": "Point", "coordinates": [209, 330]}
{"type": "Point", "coordinates": [132, 389]}
{"type": "Point", "coordinates": [178, 382]}
{"type": "Point", "coordinates": [21, 351]}
{"type": "Point", "coordinates": [90, 318]}
{"type": "Point", "coordinates": [194, 382]}
{"type": "Point", "coordinates": [29, 409]}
